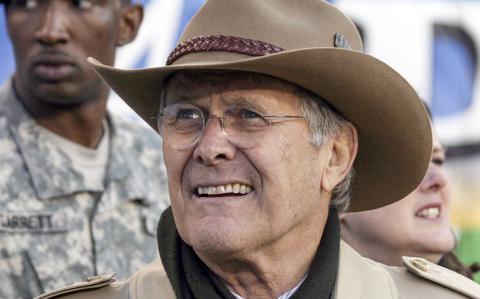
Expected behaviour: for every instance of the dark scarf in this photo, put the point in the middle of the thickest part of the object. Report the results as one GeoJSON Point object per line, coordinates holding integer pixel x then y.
{"type": "Point", "coordinates": [191, 278]}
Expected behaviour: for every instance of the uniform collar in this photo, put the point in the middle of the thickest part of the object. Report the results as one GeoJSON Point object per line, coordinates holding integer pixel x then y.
{"type": "Point", "coordinates": [50, 169]}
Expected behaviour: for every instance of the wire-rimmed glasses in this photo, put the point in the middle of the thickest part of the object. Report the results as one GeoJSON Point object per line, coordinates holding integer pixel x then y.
{"type": "Point", "coordinates": [182, 124]}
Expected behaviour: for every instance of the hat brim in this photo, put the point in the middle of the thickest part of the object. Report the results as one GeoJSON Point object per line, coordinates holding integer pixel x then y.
{"type": "Point", "coordinates": [394, 131]}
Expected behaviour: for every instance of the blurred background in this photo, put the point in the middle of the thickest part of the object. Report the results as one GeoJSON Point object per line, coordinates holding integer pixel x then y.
{"type": "Point", "coordinates": [434, 44]}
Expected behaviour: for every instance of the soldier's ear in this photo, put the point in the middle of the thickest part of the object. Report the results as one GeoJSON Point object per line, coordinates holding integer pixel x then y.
{"type": "Point", "coordinates": [131, 17]}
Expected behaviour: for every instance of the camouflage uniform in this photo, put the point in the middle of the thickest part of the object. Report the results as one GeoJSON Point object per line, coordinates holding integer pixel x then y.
{"type": "Point", "coordinates": [54, 228]}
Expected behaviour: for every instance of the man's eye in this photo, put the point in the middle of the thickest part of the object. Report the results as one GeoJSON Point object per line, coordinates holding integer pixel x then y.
{"type": "Point", "coordinates": [245, 113]}
{"type": "Point", "coordinates": [84, 4]}
{"type": "Point", "coordinates": [188, 114]}
{"type": "Point", "coordinates": [27, 4]}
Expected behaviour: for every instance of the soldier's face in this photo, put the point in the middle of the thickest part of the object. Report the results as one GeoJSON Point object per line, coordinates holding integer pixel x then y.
{"type": "Point", "coordinates": [53, 38]}
{"type": "Point", "coordinates": [278, 172]}
{"type": "Point", "coordinates": [417, 225]}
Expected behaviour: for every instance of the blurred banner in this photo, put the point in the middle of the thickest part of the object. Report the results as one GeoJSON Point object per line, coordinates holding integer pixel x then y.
{"type": "Point", "coordinates": [433, 43]}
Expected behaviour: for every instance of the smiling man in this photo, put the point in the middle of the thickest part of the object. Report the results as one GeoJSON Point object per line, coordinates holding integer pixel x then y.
{"type": "Point", "coordinates": [266, 109]}
{"type": "Point", "coordinates": [78, 195]}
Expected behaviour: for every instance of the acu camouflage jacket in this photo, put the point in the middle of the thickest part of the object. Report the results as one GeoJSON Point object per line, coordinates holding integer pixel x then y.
{"type": "Point", "coordinates": [54, 228]}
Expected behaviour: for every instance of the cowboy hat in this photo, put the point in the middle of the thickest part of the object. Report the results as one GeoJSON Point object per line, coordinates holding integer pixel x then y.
{"type": "Point", "coordinates": [314, 45]}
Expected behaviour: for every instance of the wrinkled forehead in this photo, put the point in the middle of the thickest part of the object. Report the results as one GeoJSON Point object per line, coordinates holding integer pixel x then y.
{"type": "Point", "coordinates": [200, 83]}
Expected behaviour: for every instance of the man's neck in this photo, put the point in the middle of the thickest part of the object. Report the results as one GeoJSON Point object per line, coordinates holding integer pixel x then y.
{"type": "Point", "coordinates": [80, 123]}
{"type": "Point", "coordinates": [272, 271]}
{"type": "Point", "coordinates": [80, 127]}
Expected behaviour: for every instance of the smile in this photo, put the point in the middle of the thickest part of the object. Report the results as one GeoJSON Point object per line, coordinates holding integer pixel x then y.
{"type": "Point", "coordinates": [236, 188]}
{"type": "Point", "coordinates": [429, 212]}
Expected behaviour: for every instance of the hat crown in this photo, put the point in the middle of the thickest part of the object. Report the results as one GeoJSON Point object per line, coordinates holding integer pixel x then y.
{"type": "Point", "coordinates": [285, 24]}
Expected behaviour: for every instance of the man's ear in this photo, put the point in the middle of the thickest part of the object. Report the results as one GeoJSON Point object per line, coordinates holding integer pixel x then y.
{"type": "Point", "coordinates": [344, 149]}
{"type": "Point", "coordinates": [131, 17]}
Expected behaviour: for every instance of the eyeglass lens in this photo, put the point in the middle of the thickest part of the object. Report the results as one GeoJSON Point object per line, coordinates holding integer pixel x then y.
{"type": "Point", "coordinates": [182, 125]}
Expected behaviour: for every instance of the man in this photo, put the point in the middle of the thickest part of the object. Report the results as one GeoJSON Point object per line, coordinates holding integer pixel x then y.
{"type": "Point", "coordinates": [81, 190]}
{"type": "Point", "coordinates": [263, 112]}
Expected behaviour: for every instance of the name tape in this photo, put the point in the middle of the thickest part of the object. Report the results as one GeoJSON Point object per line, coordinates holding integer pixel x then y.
{"type": "Point", "coordinates": [29, 223]}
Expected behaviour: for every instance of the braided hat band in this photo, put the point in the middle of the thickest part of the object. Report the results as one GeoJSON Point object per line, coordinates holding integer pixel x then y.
{"type": "Point", "coordinates": [222, 43]}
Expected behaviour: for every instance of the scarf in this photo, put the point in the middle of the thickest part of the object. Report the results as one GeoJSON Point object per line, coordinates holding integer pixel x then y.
{"type": "Point", "coordinates": [192, 279]}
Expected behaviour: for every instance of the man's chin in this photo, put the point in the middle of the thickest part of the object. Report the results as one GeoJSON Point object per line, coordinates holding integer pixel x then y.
{"type": "Point", "coordinates": [61, 95]}
{"type": "Point", "coordinates": [214, 240]}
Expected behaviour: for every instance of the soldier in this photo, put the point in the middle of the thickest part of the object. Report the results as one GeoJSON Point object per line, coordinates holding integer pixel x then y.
{"type": "Point", "coordinates": [264, 112]}
{"type": "Point", "coordinates": [81, 189]}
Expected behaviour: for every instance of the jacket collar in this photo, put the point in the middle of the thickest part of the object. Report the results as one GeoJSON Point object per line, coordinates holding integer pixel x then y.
{"type": "Point", "coordinates": [51, 170]}
{"type": "Point", "coordinates": [191, 278]}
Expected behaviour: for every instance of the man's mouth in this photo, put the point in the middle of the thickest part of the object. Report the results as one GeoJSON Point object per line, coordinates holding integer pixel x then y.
{"type": "Point", "coordinates": [429, 212]}
{"type": "Point", "coordinates": [53, 67]}
{"type": "Point", "coordinates": [234, 189]}
{"type": "Point", "coordinates": [53, 72]}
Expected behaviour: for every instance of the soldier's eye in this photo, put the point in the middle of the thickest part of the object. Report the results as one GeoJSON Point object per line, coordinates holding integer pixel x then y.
{"type": "Point", "coordinates": [84, 4]}
{"type": "Point", "coordinates": [26, 4]}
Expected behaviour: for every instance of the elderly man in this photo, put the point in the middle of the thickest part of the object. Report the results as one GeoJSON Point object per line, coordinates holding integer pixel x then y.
{"type": "Point", "coordinates": [264, 114]}
{"type": "Point", "coordinates": [78, 191]}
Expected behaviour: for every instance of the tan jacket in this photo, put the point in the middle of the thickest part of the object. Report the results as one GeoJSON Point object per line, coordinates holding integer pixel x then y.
{"type": "Point", "coordinates": [358, 277]}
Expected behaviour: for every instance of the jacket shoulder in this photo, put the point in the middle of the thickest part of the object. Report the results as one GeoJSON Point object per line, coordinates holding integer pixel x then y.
{"type": "Point", "coordinates": [83, 289]}
{"type": "Point", "coordinates": [360, 277]}
{"type": "Point", "coordinates": [411, 284]}
{"type": "Point", "coordinates": [439, 275]}
{"type": "Point", "coordinates": [150, 282]}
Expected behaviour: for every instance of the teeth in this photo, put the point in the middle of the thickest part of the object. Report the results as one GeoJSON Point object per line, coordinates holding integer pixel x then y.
{"type": "Point", "coordinates": [211, 190]}
{"type": "Point", "coordinates": [220, 190]}
{"type": "Point", "coordinates": [429, 213]}
{"type": "Point", "coordinates": [225, 189]}
{"type": "Point", "coordinates": [236, 188]}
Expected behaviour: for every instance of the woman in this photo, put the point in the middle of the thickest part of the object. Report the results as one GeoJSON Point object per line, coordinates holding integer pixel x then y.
{"type": "Point", "coordinates": [417, 225]}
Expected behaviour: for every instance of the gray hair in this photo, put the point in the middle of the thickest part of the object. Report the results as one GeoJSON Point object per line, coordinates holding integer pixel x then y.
{"type": "Point", "coordinates": [326, 122]}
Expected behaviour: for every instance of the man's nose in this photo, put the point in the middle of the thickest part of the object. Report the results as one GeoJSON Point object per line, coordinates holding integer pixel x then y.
{"type": "Point", "coordinates": [53, 28]}
{"type": "Point", "coordinates": [213, 147]}
{"type": "Point", "coordinates": [435, 179]}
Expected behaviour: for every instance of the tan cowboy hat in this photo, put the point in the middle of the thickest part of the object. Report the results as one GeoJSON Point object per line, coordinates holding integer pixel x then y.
{"type": "Point", "coordinates": [314, 45]}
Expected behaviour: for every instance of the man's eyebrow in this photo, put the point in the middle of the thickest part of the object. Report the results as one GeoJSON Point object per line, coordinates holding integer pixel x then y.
{"type": "Point", "coordinates": [180, 95]}
{"type": "Point", "coordinates": [257, 103]}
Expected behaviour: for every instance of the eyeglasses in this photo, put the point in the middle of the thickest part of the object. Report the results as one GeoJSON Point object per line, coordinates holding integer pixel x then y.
{"type": "Point", "coordinates": [182, 124]}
